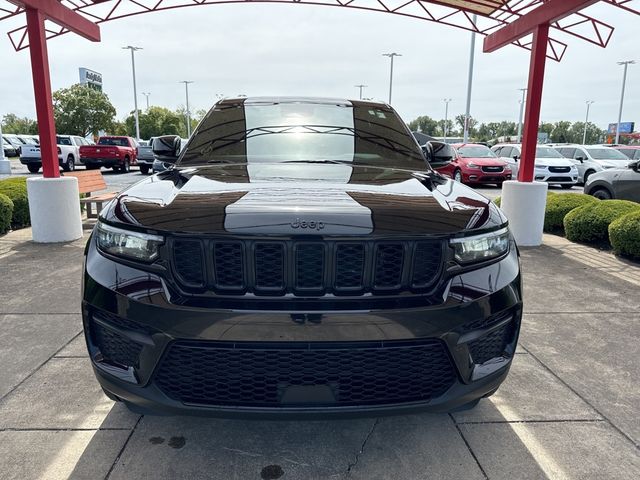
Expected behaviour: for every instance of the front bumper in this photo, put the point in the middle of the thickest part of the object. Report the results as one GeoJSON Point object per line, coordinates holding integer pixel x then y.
{"type": "Point", "coordinates": [570, 178]}
{"type": "Point", "coordinates": [169, 358]}
{"type": "Point", "coordinates": [478, 176]}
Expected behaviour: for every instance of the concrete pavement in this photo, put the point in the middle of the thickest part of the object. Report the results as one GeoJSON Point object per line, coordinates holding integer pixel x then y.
{"type": "Point", "coordinates": [569, 408]}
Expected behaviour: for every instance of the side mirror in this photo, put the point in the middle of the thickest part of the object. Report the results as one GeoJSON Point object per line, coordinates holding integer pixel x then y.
{"type": "Point", "coordinates": [581, 159]}
{"type": "Point", "coordinates": [438, 154]}
{"type": "Point", "coordinates": [516, 158]}
{"type": "Point", "coordinates": [166, 148]}
{"type": "Point", "coordinates": [635, 166]}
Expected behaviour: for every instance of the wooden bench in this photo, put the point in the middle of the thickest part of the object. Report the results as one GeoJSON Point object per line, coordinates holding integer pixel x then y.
{"type": "Point", "coordinates": [92, 181]}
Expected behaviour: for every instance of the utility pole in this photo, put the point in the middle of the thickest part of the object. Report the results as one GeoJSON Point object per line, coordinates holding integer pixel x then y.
{"type": "Point", "coordinates": [147, 94]}
{"type": "Point", "coordinates": [135, 93]}
{"type": "Point", "coordinates": [472, 51]}
{"type": "Point", "coordinates": [626, 64]}
{"type": "Point", "coordinates": [391, 55]}
{"type": "Point", "coordinates": [446, 118]}
{"type": "Point", "coordinates": [188, 113]}
{"type": "Point", "coordinates": [361, 87]}
{"type": "Point", "coordinates": [524, 96]}
{"type": "Point", "coordinates": [586, 121]}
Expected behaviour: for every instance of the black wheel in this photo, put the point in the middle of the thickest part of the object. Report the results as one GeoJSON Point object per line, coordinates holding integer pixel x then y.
{"type": "Point", "coordinates": [33, 168]}
{"type": "Point", "coordinates": [587, 174]}
{"type": "Point", "coordinates": [144, 169]}
{"type": "Point", "coordinates": [602, 194]}
{"type": "Point", "coordinates": [126, 166]}
{"type": "Point", "coordinates": [566, 186]}
{"type": "Point", "coordinates": [69, 165]}
{"type": "Point", "coordinates": [457, 175]}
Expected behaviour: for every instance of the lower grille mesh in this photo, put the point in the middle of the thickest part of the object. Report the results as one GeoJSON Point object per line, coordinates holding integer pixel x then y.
{"type": "Point", "coordinates": [493, 344]}
{"type": "Point", "coordinates": [114, 347]}
{"type": "Point", "coordinates": [216, 373]}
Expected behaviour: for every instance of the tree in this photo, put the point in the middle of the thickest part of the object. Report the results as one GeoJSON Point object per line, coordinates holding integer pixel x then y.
{"type": "Point", "coordinates": [576, 133]}
{"type": "Point", "coordinates": [561, 132]}
{"type": "Point", "coordinates": [11, 123]}
{"type": "Point", "coordinates": [426, 125]}
{"type": "Point", "coordinates": [154, 122]}
{"type": "Point", "coordinates": [472, 123]}
{"type": "Point", "coordinates": [79, 110]}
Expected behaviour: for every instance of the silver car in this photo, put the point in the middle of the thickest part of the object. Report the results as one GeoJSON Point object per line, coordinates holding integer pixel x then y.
{"type": "Point", "coordinates": [592, 158]}
{"type": "Point", "coordinates": [618, 183]}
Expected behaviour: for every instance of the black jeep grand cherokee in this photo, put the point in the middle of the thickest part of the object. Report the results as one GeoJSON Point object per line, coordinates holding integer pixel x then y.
{"type": "Point", "coordinates": [301, 257]}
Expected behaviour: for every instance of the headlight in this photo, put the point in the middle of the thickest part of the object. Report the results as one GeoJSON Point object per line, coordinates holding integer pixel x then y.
{"type": "Point", "coordinates": [472, 165]}
{"type": "Point", "coordinates": [128, 244]}
{"type": "Point", "coordinates": [481, 247]}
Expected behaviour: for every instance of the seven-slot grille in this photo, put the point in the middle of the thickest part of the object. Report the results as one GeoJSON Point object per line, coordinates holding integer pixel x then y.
{"type": "Point", "coordinates": [492, 169]}
{"type": "Point", "coordinates": [306, 267]}
{"type": "Point", "coordinates": [559, 169]}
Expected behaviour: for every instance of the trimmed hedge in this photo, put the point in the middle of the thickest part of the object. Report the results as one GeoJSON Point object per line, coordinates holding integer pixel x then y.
{"type": "Point", "coordinates": [624, 234]}
{"type": "Point", "coordinates": [16, 189]}
{"type": "Point", "coordinates": [6, 211]}
{"type": "Point", "coordinates": [590, 223]}
{"type": "Point", "coordinates": [559, 205]}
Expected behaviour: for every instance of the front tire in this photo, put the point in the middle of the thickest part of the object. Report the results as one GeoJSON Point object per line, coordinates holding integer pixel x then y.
{"type": "Point", "coordinates": [70, 164]}
{"type": "Point", "coordinates": [587, 174]}
{"type": "Point", "coordinates": [144, 169]}
{"type": "Point", "coordinates": [33, 168]}
{"type": "Point", "coordinates": [457, 175]}
{"type": "Point", "coordinates": [602, 194]}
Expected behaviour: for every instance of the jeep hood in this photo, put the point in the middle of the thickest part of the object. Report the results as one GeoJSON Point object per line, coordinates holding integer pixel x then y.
{"type": "Point", "coordinates": [301, 199]}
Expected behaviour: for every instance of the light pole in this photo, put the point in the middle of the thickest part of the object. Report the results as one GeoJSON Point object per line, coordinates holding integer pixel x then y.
{"type": "Point", "coordinates": [626, 64]}
{"type": "Point", "coordinates": [391, 55]}
{"type": "Point", "coordinates": [472, 51]}
{"type": "Point", "coordinates": [135, 93]}
{"type": "Point", "coordinates": [446, 118]}
{"type": "Point", "coordinates": [361, 87]}
{"type": "Point", "coordinates": [586, 121]}
{"type": "Point", "coordinates": [147, 94]}
{"type": "Point", "coordinates": [524, 95]}
{"type": "Point", "coordinates": [186, 91]}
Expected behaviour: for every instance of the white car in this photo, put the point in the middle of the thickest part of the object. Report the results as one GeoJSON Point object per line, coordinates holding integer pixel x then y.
{"type": "Point", "coordinates": [592, 158]}
{"type": "Point", "coordinates": [68, 153]}
{"type": "Point", "coordinates": [550, 166]}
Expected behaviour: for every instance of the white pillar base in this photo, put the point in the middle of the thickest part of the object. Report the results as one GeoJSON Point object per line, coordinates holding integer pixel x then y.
{"type": "Point", "coordinates": [54, 207]}
{"type": "Point", "coordinates": [524, 204]}
{"type": "Point", "coordinates": [5, 166]}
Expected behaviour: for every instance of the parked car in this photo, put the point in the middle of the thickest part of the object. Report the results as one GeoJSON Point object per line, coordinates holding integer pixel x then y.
{"type": "Point", "coordinates": [301, 258]}
{"type": "Point", "coordinates": [618, 183]}
{"type": "Point", "coordinates": [118, 153]}
{"type": "Point", "coordinates": [29, 139]}
{"type": "Point", "coordinates": [476, 164]}
{"type": "Point", "coordinates": [550, 165]}
{"type": "Point", "coordinates": [590, 159]}
{"type": "Point", "coordinates": [68, 153]}
{"type": "Point", "coordinates": [15, 141]}
{"type": "Point", "coordinates": [161, 162]}
{"type": "Point", "coordinates": [631, 151]}
{"type": "Point", "coordinates": [10, 150]}
{"type": "Point", "coordinates": [145, 156]}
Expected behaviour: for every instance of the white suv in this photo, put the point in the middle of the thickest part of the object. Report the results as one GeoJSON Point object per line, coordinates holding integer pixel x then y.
{"type": "Point", "coordinates": [592, 158]}
{"type": "Point", "coordinates": [550, 166]}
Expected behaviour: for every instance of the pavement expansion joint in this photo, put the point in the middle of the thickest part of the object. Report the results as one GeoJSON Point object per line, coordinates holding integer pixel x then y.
{"type": "Point", "coordinates": [124, 446]}
{"type": "Point", "coordinates": [469, 449]}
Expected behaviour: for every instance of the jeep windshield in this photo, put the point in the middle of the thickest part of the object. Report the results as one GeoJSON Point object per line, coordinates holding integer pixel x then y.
{"type": "Point", "coordinates": [258, 131]}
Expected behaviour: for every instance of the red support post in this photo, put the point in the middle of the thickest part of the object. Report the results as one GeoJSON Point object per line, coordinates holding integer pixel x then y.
{"type": "Point", "coordinates": [42, 88]}
{"type": "Point", "coordinates": [534, 101]}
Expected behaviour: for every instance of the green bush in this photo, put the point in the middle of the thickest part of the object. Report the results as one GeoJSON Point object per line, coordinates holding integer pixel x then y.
{"type": "Point", "coordinates": [624, 234]}
{"type": "Point", "coordinates": [6, 210]}
{"type": "Point", "coordinates": [590, 223]}
{"type": "Point", "coordinates": [16, 189]}
{"type": "Point", "coordinates": [498, 200]}
{"type": "Point", "coordinates": [559, 205]}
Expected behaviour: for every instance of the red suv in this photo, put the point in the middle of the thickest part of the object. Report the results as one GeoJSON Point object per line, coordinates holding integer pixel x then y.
{"type": "Point", "coordinates": [475, 163]}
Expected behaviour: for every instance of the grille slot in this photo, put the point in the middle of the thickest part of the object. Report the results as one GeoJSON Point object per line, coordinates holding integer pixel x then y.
{"type": "Point", "coordinates": [188, 259]}
{"type": "Point", "coordinates": [492, 169]}
{"type": "Point", "coordinates": [307, 266]}
{"type": "Point", "coordinates": [388, 267]}
{"type": "Point", "coordinates": [219, 373]}
{"type": "Point", "coordinates": [228, 265]}
{"type": "Point", "coordinates": [559, 169]}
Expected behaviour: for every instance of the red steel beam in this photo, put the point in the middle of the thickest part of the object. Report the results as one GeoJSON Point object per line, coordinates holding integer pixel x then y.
{"type": "Point", "coordinates": [551, 11]}
{"type": "Point", "coordinates": [534, 101]}
{"type": "Point", "coordinates": [58, 13]}
{"type": "Point", "coordinates": [42, 88]}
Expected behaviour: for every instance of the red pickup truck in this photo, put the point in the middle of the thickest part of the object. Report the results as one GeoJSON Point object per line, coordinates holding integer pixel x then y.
{"type": "Point", "coordinates": [118, 153]}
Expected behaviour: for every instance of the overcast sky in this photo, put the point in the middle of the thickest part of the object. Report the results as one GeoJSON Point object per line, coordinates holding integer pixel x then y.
{"type": "Point", "coordinates": [260, 49]}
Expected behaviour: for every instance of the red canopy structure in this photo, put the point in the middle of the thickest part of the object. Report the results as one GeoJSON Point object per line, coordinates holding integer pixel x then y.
{"type": "Point", "coordinates": [502, 22]}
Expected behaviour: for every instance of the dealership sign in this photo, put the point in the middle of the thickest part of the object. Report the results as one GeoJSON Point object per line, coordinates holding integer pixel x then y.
{"type": "Point", "coordinates": [625, 127]}
{"type": "Point", "coordinates": [91, 78]}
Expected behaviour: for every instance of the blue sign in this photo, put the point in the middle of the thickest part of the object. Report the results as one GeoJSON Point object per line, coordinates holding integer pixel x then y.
{"type": "Point", "coordinates": [625, 127]}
